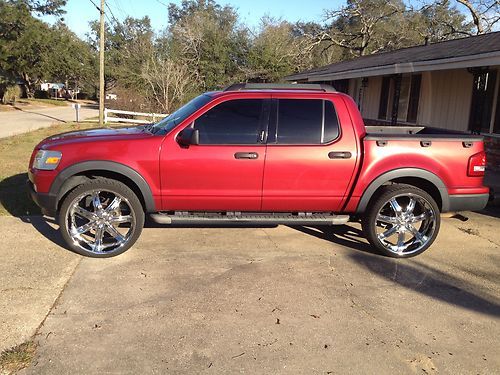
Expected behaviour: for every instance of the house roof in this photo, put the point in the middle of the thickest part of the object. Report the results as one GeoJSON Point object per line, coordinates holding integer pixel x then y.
{"type": "Point", "coordinates": [480, 50]}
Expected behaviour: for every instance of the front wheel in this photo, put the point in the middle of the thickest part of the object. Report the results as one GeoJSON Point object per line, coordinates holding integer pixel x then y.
{"type": "Point", "coordinates": [401, 222]}
{"type": "Point", "coordinates": [101, 218]}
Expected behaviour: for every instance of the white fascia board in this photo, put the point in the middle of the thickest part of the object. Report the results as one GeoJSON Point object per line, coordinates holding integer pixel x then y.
{"type": "Point", "coordinates": [485, 59]}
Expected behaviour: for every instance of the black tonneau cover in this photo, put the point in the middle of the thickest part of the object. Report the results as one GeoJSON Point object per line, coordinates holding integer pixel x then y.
{"type": "Point", "coordinates": [376, 133]}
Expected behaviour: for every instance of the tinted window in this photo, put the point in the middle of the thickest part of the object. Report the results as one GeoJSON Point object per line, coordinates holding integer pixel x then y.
{"type": "Point", "coordinates": [331, 127]}
{"type": "Point", "coordinates": [231, 122]}
{"type": "Point", "coordinates": [306, 121]}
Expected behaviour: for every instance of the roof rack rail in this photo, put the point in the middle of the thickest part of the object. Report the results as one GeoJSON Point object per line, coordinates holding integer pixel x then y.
{"type": "Point", "coordinates": [280, 86]}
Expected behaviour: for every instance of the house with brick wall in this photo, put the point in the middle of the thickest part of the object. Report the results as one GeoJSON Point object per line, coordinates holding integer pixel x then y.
{"type": "Point", "coordinates": [451, 85]}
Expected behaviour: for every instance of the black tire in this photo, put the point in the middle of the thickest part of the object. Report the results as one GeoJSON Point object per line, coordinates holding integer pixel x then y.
{"type": "Point", "coordinates": [105, 189]}
{"type": "Point", "coordinates": [403, 222]}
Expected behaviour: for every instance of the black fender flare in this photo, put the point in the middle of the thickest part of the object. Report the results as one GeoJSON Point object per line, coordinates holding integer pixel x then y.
{"type": "Point", "coordinates": [104, 165]}
{"type": "Point", "coordinates": [405, 172]}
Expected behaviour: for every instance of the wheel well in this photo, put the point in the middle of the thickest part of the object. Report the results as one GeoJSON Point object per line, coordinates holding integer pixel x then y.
{"type": "Point", "coordinates": [81, 177]}
{"type": "Point", "coordinates": [417, 182]}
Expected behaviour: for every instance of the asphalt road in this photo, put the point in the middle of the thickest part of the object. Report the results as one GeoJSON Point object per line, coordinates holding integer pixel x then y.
{"type": "Point", "coordinates": [254, 300]}
{"type": "Point", "coordinates": [27, 119]}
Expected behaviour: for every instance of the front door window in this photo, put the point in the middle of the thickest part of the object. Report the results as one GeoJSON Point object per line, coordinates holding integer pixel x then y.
{"type": "Point", "coordinates": [235, 122]}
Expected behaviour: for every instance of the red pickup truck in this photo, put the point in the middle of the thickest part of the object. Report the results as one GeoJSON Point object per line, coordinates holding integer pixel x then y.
{"type": "Point", "coordinates": [258, 153]}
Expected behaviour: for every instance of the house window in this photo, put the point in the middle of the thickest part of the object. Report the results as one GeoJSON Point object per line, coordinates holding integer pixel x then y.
{"type": "Point", "coordinates": [341, 85]}
{"type": "Point", "coordinates": [496, 123]}
{"type": "Point", "coordinates": [407, 102]}
{"type": "Point", "coordinates": [482, 100]}
{"type": "Point", "coordinates": [414, 98]}
{"type": "Point", "coordinates": [384, 97]}
{"type": "Point", "coordinates": [404, 97]}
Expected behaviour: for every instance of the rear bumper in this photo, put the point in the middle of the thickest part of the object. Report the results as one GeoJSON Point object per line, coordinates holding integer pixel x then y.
{"type": "Point", "coordinates": [468, 202]}
{"type": "Point", "coordinates": [47, 202]}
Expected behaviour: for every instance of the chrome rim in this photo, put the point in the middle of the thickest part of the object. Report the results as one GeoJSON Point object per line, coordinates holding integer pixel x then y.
{"type": "Point", "coordinates": [405, 224]}
{"type": "Point", "coordinates": [100, 221]}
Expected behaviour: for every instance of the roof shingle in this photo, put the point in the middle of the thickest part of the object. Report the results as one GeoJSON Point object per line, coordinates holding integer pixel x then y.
{"type": "Point", "coordinates": [462, 47]}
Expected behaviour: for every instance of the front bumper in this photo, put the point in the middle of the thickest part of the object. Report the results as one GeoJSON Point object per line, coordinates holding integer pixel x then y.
{"type": "Point", "coordinates": [46, 201]}
{"type": "Point", "coordinates": [468, 202]}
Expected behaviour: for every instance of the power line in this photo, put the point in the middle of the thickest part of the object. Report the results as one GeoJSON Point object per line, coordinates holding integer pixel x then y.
{"type": "Point", "coordinates": [162, 3]}
{"type": "Point", "coordinates": [98, 8]}
{"type": "Point", "coordinates": [112, 14]}
{"type": "Point", "coordinates": [120, 9]}
{"type": "Point", "coordinates": [131, 6]}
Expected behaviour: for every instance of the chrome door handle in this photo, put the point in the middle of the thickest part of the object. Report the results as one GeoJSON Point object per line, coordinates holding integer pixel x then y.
{"type": "Point", "coordinates": [339, 155]}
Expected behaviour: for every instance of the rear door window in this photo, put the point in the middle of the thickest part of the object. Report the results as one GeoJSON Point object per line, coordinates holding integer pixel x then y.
{"type": "Point", "coordinates": [304, 121]}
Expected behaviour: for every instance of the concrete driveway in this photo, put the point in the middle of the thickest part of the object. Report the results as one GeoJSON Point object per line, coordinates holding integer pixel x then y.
{"type": "Point", "coordinates": [257, 300]}
{"type": "Point", "coordinates": [27, 119]}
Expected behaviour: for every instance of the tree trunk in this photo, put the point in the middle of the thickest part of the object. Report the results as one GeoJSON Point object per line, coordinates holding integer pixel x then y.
{"type": "Point", "coordinates": [28, 86]}
{"type": "Point", "coordinates": [476, 19]}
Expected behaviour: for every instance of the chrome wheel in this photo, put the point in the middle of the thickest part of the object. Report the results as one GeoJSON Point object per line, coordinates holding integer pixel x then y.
{"type": "Point", "coordinates": [100, 221]}
{"type": "Point", "coordinates": [405, 224]}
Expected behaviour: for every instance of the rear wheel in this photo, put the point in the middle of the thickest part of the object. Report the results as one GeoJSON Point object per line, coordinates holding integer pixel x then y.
{"type": "Point", "coordinates": [101, 218]}
{"type": "Point", "coordinates": [403, 221]}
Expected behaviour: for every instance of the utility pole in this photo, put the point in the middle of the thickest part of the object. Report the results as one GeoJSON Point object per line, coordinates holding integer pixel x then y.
{"type": "Point", "coordinates": [101, 67]}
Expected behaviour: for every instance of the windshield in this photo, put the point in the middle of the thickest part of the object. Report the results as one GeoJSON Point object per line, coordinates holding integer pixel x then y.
{"type": "Point", "coordinates": [174, 119]}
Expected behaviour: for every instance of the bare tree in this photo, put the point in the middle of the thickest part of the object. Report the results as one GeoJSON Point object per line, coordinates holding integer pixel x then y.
{"type": "Point", "coordinates": [167, 80]}
{"type": "Point", "coordinates": [354, 26]}
{"type": "Point", "coordinates": [436, 21]}
{"type": "Point", "coordinates": [484, 13]}
{"type": "Point", "coordinates": [278, 48]}
{"type": "Point", "coordinates": [191, 37]}
{"type": "Point", "coordinates": [208, 38]}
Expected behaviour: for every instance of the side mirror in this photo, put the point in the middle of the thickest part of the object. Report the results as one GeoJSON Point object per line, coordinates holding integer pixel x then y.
{"type": "Point", "coordinates": [188, 136]}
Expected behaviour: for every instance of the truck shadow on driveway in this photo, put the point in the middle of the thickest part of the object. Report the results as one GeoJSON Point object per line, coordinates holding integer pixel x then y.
{"type": "Point", "coordinates": [14, 196]}
{"type": "Point", "coordinates": [50, 232]}
{"type": "Point", "coordinates": [413, 274]}
{"type": "Point", "coordinates": [345, 235]}
{"type": "Point", "coordinates": [49, 228]}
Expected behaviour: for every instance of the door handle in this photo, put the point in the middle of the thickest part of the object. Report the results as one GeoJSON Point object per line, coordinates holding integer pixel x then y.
{"type": "Point", "coordinates": [339, 155]}
{"type": "Point", "coordinates": [246, 155]}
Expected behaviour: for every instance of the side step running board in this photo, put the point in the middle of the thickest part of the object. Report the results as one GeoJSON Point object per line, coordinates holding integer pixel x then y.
{"type": "Point", "coordinates": [185, 218]}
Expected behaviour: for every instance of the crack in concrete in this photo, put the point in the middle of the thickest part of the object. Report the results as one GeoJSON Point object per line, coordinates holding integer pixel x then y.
{"type": "Point", "coordinates": [269, 238]}
{"type": "Point", "coordinates": [37, 330]}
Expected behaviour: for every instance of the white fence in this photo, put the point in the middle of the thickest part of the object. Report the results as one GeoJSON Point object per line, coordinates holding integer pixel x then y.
{"type": "Point", "coordinates": [154, 116]}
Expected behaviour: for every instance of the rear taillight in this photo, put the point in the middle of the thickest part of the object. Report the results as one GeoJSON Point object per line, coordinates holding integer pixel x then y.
{"type": "Point", "coordinates": [477, 164]}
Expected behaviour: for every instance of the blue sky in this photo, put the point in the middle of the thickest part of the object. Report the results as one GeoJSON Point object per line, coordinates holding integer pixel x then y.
{"type": "Point", "coordinates": [80, 12]}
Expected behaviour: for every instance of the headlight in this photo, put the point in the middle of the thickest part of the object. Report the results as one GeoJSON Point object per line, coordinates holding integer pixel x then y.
{"type": "Point", "coordinates": [47, 159]}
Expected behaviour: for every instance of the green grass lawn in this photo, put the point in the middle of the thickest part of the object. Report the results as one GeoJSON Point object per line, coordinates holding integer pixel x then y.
{"type": "Point", "coordinates": [15, 152]}
{"type": "Point", "coordinates": [15, 359]}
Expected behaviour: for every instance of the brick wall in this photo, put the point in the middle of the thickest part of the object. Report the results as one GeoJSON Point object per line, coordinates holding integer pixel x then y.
{"type": "Point", "coordinates": [492, 147]}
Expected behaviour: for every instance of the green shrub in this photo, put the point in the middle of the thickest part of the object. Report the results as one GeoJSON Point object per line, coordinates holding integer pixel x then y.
{"type": "Point", "coordinates": [40, 94]}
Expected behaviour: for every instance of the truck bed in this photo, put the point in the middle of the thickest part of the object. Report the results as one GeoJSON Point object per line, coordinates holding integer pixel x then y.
{"type": "Point", "coordinates": [411, 153]}
{"type": "Point", "coordinates": [417, 132]}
